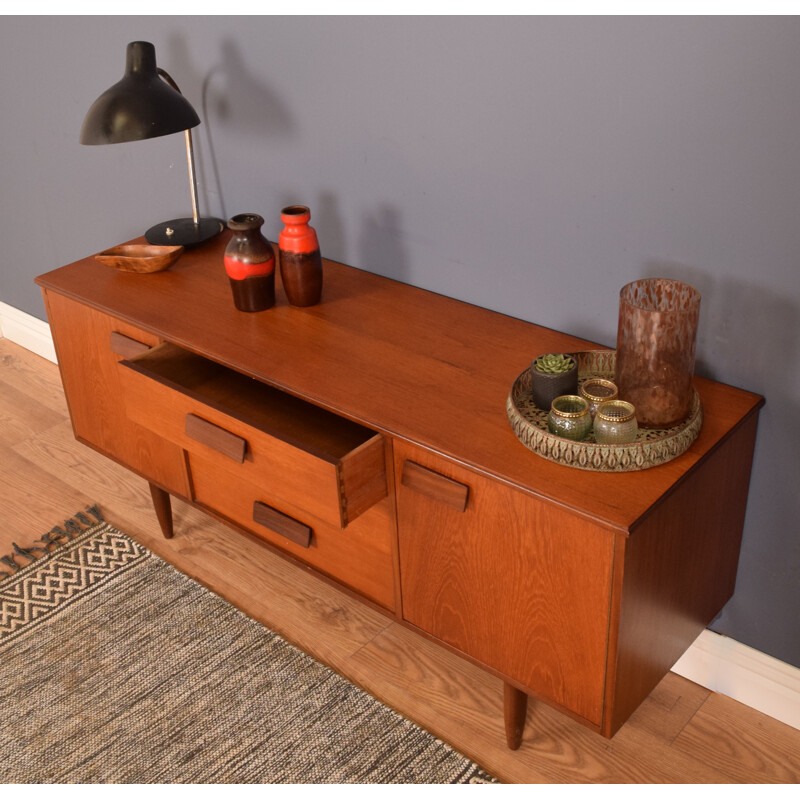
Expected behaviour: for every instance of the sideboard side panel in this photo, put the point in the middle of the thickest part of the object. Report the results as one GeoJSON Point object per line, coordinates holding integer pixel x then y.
{"type": "Point", "coordinates": [680, 570]}
{"type": "Point", "coordinates": [89, 372]}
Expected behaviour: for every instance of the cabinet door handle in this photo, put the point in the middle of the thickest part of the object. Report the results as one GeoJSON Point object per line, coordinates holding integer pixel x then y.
{"type": "Point", "coordinates": [282, 524]}
{"type": "Point", "coordinates": [219, 439]}
{"type": "Point", "coordinates": [432, 484]}
{"type": "Point", "coordinates": [125, 346]}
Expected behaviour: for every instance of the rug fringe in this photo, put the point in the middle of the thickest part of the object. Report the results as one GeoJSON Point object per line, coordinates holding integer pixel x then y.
{"type": "Point", "coordinates": [52, 539]}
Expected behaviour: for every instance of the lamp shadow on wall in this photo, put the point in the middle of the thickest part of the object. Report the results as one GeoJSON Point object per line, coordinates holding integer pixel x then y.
{"type": "Point", "coordinates": [380, 245]}
{"type": "Point", "coordinates": [379, 248]}
{"type": "Point", "coordinates": [329, 226]}
{"type": "Point", "coordinates": [232, 96]}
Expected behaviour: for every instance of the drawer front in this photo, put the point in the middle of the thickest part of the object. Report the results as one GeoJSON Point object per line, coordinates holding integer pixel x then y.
{"type": "Point", "coordinates": [513, 582]}
{"type": "Point", "coordinates": [335, 490]}
{"type": "Point", "coordinates": [359, 556]}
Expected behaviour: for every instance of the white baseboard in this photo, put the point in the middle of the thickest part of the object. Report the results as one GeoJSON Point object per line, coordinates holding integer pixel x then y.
{"type": "Point", "coordinates": [720, 664]}
{"type": "Point", "coordinates": [27, 331]}
{"type": "Point", "coordinates": [728, 667]}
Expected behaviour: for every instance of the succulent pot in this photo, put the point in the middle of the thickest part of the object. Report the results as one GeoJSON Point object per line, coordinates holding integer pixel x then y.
{"type": "Point", "coordinates": [546, 386]}
{"type": "Point", "coordinates": [301, 262]}
{"type": "Point", "coordinates": [250, 264]}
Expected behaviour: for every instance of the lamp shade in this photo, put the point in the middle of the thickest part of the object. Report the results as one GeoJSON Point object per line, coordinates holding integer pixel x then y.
{"type": "Point", "coordinates": [140, 106]}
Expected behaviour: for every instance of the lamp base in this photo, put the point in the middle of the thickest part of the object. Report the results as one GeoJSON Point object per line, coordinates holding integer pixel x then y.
{"type": "Point", "coordinates": [185, 231]}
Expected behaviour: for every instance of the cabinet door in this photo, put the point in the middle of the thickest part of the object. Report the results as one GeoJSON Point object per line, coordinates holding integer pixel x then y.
{"type": "Point", "coordinates": [512, 581]}
{"type": "Point", "coordinates": [89, 344]}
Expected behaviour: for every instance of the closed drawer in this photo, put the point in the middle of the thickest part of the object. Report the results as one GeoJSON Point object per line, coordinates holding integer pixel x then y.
{"type": "Point", "coordinates": [359, 556]}
{"type": "Point", "coordinates": [329, 466]}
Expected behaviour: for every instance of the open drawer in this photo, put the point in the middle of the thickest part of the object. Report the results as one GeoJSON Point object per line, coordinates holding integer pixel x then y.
{"type": "Point", "coordinates": [330, 466]}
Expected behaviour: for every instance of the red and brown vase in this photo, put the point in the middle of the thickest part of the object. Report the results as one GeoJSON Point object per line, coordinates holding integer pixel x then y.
{"type": "Point", "coordinates": [250, 264]}
{"type": "Point", "coordinates": [301, 263]}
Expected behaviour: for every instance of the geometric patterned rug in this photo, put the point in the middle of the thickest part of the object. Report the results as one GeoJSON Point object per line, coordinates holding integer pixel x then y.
{"type": "Point", "coordinates": [117, 668]}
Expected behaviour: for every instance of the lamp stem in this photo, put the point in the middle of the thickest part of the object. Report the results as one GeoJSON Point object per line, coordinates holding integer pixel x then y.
{"type": "Point", "coordinates": [189, 152]}
{"type": "Point", "coordinates": [192, 178]}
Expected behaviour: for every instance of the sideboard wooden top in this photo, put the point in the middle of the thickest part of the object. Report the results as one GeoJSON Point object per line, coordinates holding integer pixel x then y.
{"type": "Point", "coordinates": [402, 360]}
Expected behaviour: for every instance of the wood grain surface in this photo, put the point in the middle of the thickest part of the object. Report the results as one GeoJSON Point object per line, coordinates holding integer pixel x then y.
{"type": "Point", "coordinates": [515, 583]}
{"type": "Point", "coordinates": [681, 734]}
{"type": "Point", "coordinates": [414, 364]}
{"type": "Point", "coordinates": [282, 524]}
{"type": "Point", "coordinates": [254, 433]}
{"type": "Point", "coordinates": [359, 556]}
{"type": "Point", "coordinates": [531, 578]}
{"type": "Point", "coordinates": [90, 373]}
{"type": "Point", "coordinates": [680, 570]}
{"type": "Point", "coordinates": [434, 485]}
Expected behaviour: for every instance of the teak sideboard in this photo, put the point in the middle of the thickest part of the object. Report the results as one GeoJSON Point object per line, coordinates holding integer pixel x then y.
{"type": "Point", "coordinates": [367, 438]}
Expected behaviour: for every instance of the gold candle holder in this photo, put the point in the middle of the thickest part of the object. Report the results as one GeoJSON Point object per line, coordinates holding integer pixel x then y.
{"type": "Point", "coordinates": [596, 391]}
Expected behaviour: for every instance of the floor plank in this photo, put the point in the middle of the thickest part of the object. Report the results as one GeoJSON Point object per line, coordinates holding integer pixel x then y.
{"type": "Point", "coordinates": [742, 742]}
{"type": "Point", "coordinates": [463, 705]}
{"type": "Point", "coordinates": [33, 500]}
{"type": "Point", "coordinates": [23, 416]}
{"type": "Point", "coordinates": [681, 734]}
{"type": "Point", "coordinates": [669, 707]}
{"type": "Point", "coordinates": [23, 370]}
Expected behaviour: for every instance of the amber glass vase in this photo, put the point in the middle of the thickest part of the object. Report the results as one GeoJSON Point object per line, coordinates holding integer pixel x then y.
{"type": "Point", "coordinates": [655, 349]}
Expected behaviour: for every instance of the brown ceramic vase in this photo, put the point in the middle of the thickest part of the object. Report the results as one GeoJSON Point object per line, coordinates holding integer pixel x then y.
{"type": "Point", "coordinates": [250, 264]}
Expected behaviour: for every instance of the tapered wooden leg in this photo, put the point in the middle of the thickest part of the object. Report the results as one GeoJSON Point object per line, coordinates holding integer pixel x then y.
{"type": "Point", "coordinates": [515, 705]}
{"type": "Point", "coordinates": [163, 507]}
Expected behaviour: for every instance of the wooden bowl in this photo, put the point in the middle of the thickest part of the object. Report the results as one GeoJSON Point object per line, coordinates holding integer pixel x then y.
{"type": "Point", "coordinates": [141, 257]}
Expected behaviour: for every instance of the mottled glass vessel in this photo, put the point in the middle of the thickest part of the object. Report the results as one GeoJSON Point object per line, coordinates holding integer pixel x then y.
{"type": "Point", "coordinates": [615, 423]}
{"type": "Point", "coordinates": [655, 349]}
{"type": "Point", "coordinates": [569, 417]}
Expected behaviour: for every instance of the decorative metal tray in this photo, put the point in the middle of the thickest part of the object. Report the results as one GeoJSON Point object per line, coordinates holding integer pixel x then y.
{"type": "Point", "coordinates": [651, 447]}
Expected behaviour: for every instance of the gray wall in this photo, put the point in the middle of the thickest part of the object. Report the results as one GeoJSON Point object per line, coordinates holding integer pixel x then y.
{"type": "Point", "coordinates": [530, 165]}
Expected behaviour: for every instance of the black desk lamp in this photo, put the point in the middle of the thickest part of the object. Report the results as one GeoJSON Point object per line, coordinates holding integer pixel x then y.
{"type": "Point", "coordinates": [143, 106]}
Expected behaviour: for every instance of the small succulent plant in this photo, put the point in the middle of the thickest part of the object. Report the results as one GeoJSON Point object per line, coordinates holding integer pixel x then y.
{"type": "Point", "coordinates": [554, 363]}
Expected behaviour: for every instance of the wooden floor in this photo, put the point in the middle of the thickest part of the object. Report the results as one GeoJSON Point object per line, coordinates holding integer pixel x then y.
{"type": "Point", "coordinates": [682, 733]}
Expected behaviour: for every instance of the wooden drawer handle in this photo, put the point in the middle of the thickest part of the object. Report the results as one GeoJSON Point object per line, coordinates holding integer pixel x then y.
{"type": "Point", "coordinates": [219, 439]}
{"type": "Point", "coordinates": [126, 347]}
{"type": "Point", "coordinates": [280, 523]}
{"type": "Point", "coordinates": [432, 484]}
